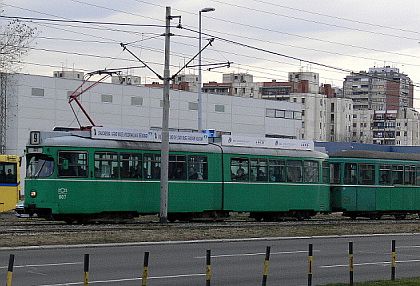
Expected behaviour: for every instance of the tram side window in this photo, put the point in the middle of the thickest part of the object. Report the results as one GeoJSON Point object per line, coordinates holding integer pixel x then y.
{"type": "Point", "coordinates": [197, 168]}
{"type": "Point", "coordinates": [177, 167]}
{"type": "Point", "coordinates": [385, 175]}
{"type": "Point", "coordinates": [397, 175]}
{"type": "Point", "coordinates": [258, 170]}
{"type": "Point", "coordinates": [130, 166]}
{"type": "Point", "coordinates": [239, 169]}
{"type": "Point", "coordinates": [310, 171]}
{"type": "Point", "coordinates": [409, 175]}
{"type": "Point", "coordinates": [350, 173]}
{"type": "Point", "coordinates": [277, 170]}
{"type": "Point", "coordinates": [325, 172]}
{"type": "Point", "coordinates": [151, 166]}
{"type": "Point", "coordinates": [72, 164]}
{"type": "Point", "coordinates": [106, 165]}
{"type": "Point", "coordinates": [335, 173]}
{"type": "Point", "coordinates": [417, 175]}
{"type": "Point", "coordinates": [8, 173]}
{"type": "Point", "coordinates": [294, 171]}
{"type": "Point", "coordinates": [366, 174]}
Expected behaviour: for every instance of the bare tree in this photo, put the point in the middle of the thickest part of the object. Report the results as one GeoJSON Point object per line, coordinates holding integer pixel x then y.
{"type": "Point", "coordinates": [15, 40]}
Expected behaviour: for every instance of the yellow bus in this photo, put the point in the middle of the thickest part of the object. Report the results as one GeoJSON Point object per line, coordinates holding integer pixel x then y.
{"type": "Point", "coordinates": [9, 182]}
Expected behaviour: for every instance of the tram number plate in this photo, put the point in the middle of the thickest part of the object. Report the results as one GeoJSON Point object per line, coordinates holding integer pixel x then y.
{"type": "Point", "coordinates": [62, 193]}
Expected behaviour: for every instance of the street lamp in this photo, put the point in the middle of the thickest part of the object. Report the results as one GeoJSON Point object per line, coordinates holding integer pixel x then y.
{"type": "Point", "coordinates": [199, 100]}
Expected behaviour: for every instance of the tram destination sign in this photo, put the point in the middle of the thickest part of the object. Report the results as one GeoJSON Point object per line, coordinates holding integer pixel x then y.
{"type": "Point", "coordinates": [125, 134]}
{"type": "Point", "coordinates": [262, 142]}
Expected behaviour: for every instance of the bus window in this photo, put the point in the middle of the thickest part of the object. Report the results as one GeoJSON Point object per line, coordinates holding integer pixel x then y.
{"type": "Point", "coordinates": [8, 174]}
{"type": "Point", "coordinates": [130, 166]}
{"type": "Point", "coordinates": [350, 173]}
{"type": "Point", "coordinates": [397, 174]}
{"type": "Point", "coordinates": [366, 174]}
{"type": "Point", "coordinates": [385, 175]}
{"type": "Point", "coordinates": [277, 170]}
{"type": "Point", "coordinates": [72, 164]}
{"type": "Point", "coordinates": [409, 175]}
{"type": "Point", "coordinates": [197, 168]}
{"type": "Point", "coordinates": [310, 171]}
{"type": "Point", "coordinates": [106, 165]}
{"type": "Point", "coordinates": [151, 166]}
{"type": "Point", "coordinates": [294, 171]}
{"type": "Point", "coordinates": [239, 169]}
{"type": "Point", "coordinates": [177, 167]}
{"type": "Point", "coordinates": [258, 170]}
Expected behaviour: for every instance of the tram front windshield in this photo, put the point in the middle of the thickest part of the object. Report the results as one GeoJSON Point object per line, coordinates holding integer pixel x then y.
{"type": "Point", "coordinates": [39, 165]}
{"type": "Point", "coordinates": [8, 173]}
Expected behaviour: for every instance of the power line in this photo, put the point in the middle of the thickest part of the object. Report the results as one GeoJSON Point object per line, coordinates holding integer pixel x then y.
{"type": "Point", "coordinates": [336, 17]}
{"type": "Point", "coordinates": [80, 21]}
{"type": "Point", "coordinates": [316, 22]}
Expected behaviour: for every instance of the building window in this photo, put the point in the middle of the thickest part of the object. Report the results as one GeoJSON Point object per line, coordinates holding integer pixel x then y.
{"type": "Point", "coordinates": [106, 98]}
{"type": "Point", "coordinates": [303, 113]}
{"type": "Point", "coordinates": [279, 113]}
{"type": "Point", "coordinates": [219, 108]}
{"type": "Point", "coordinates": [270, 113]}
{"type": "Point", "coordinates": [297, 115]}
{"type": "Point", "coordinates": [37, 91]}
{"type": "Point", "coordinates": [288, 114]}
{"type": "Point", "coordinates": [192, 105]}
{"type": "Point", "coordinates": [303, 100]}
{"type": "Point", "coordinates": [332, 106]}
{"type": "Point", "coordinates": [136, 100]}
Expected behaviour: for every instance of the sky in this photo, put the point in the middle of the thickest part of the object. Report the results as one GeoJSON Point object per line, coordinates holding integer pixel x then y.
{"type": "Point", "coordinates": [266, 38]}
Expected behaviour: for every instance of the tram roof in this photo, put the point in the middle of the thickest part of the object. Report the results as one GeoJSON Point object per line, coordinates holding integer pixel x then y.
{"type": "Point", "coordinates": [71, 140]}
{"type": "Point", "coordinates": [376, 155]}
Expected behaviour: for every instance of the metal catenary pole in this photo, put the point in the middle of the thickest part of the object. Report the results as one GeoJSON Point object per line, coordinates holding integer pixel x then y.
{"type": "Point", "coordinates": [165, 126]}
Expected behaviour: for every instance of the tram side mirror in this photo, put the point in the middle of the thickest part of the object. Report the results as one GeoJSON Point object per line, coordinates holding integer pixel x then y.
{"type": "Point", "coordinates": [65, 164]}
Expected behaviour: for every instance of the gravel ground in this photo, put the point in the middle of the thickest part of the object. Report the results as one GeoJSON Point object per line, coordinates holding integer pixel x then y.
{"type": "Point", "coordinates": [25, 231]}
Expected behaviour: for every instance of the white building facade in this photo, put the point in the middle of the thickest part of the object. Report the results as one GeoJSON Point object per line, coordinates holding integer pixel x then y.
{"type": "Point", "coordinates": [41, 103]}
{"type": "Point", "coordinates": [339, 119]}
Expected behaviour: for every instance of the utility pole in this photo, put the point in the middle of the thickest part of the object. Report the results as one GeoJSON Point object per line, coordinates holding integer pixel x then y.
{"type": "Point", "coordinates": [163, 215]}
{"type": "Point", "coordinates": [165, 126]}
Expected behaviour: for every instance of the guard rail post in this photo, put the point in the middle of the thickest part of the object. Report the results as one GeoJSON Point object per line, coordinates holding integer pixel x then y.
{"type": "Point", "coordinates": [351, 263]}
{"type": "Point", "coordinates": [208, 267]}
{"type": "Point", "coordinates": [266, 266]}
{"type": "Point", "coordinates": [145, 269]}
{"type": "Point", "coordinates": [310, 262]}
{"type": "Point", "coordinates": [86, 270]}
{"type": "Point", "coordinates": [393, 260]}
{"type": "Point", "coordinates": [10, 270]}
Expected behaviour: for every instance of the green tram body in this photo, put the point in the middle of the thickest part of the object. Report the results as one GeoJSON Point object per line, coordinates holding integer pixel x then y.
{"type": "Point", "coordinates": [84, 195]}
{"type": "Point", "coordinates": [372, 184]}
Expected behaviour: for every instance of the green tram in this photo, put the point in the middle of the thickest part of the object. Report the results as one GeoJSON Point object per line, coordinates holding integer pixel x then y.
{"type": "Point", "coordinates": [372, 184]}
{"type": "Point", "coordinates": [75, 178]}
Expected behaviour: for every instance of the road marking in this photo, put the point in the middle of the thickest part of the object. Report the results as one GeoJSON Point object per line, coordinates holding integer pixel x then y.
{"type": "Point", "coordinates": [36, 272]}
{"type": "Point", "coordinates": [255, 254]}
{"type": "Point", "coordinates": [43, 265]}
{"type": "Point", "coordinates": [369, 263]}
{"type": "Point", "coordinates": [127, 279]}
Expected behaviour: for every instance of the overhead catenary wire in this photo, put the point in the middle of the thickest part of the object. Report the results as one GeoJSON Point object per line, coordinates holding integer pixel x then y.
{"type": "Point", "coordinates": [119, 10]}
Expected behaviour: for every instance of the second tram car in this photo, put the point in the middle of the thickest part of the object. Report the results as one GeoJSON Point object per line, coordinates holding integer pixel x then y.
{"type": "Point", "coordinates": [372, 184]}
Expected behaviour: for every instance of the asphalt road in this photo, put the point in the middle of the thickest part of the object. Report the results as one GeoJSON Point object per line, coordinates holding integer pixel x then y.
{"type": "Point", "coordinates": [233, 263]}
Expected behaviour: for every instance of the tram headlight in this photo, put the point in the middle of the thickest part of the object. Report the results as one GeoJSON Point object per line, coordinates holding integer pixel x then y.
{"type": "Point", "coordinates": [33, 194]}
